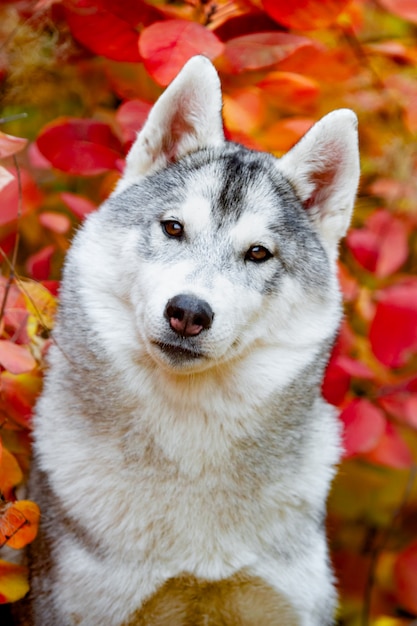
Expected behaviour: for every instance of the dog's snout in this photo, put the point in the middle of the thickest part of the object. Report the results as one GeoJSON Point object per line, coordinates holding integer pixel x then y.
{"type": "Point", "coordinates": [188, 315]}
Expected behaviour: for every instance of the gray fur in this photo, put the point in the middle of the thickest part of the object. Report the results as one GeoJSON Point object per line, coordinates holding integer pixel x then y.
{"type": "Point", "coordinates": [159, 472]}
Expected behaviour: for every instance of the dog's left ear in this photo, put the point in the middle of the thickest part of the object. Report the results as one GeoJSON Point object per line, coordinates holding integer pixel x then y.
{"type": "Point", "coordinates": [185, 118]}
{"type": "Point", "coordinates": [323, 168]}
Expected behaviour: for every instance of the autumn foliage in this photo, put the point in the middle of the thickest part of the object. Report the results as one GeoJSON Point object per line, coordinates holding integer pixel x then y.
{"type": "Point", "coordinates": [77, 80]}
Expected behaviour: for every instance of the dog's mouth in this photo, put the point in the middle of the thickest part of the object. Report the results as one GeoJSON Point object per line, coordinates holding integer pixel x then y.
{"type": "Point", "coordinates": [178, 354]}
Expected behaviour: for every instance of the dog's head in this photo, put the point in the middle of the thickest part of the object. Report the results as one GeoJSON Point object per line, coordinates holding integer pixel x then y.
{"type": "Point", "coordinates": [227, 249]}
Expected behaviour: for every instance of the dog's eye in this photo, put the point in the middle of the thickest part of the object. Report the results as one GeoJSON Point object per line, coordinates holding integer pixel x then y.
{"type": "Point", "coordinates": [258, 254]}
{"type": "Point", "coordinates": [173, 229]}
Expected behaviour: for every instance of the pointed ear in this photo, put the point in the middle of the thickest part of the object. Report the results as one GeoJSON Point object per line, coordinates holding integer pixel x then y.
{"type": "Point", "coordinates": [323, 168]}
{"type": "Point", "coordinates": [185, 118]}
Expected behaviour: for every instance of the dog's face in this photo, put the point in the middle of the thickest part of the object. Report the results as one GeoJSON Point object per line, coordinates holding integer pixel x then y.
{"type": "Point", "coordinates": [224, 259]}
{"type": "Point", "coordinates": [226, 249]}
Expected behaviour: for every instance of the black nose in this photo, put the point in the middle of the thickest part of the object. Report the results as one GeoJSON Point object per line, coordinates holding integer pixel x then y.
{"type": "Point", "coordinates": [188, 315]}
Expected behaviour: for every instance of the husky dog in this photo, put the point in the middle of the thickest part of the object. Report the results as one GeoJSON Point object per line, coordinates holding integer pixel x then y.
{"type": "Point", "coordinates": [183, 452]}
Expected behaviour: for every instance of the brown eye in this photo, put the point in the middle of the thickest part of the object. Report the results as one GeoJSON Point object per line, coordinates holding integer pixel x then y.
{"type": "Point", "coordinates": [258, 254]}
{"type": "Point", "coordinates": [173, 229]}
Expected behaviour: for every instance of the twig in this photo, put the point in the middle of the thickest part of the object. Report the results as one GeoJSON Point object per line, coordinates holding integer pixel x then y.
{"type": "Point", "coordinates": [13, 118]}
{"type": "Point", "coordinates": [12, 265]}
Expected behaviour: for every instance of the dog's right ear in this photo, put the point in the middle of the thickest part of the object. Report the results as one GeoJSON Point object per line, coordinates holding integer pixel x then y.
{"type": "Point", "coordinates": [186, 118]}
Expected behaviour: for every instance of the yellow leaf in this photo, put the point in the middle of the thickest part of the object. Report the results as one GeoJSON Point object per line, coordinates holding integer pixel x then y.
{"type": "Point", "coordinates": [39, 301]}
{"type": "Point", "coordinates": [390, 621]}
{"type": "Point", "coordinates": [13, 582]}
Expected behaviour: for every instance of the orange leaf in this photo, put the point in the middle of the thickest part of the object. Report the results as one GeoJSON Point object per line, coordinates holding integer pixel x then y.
{"type": "Point", "coordinates": [166, 46]}
{"type": "Point", "coordinates": [10, 473]}
{"type": "Point", "coordinates": [290, 91]}
{"type": "Point", "coordinates": [245, 108]}
{"type": "Point", "coordinates": [9, 145]}
{"type": "Point", "coordinates": [282, 135]}
{"type": "Point", "coordinates": [13, 582]}
{"type": "Point", "coordinates": [19, 523]}
{"type": "Point", "coordinates": [305, 14]}
{"type": "Point", "coordinates": [14, 358]}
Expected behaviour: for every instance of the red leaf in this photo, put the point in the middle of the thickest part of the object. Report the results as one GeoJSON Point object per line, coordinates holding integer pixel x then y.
{"type": "Point", "coordinates": [78, 205]}
{"type": "Point", "coordinates": [39, 264]}
{"type": "Point", "coordinates": [393, 332]}
{"type": "Point", "coordinates": [80, 146]}
{"type": "Point", "coordinates": [304, 14]}
{"type": "Point", "coordinates": [56, 222]}
{"type": "Point", "coordinates": [389, 189]}
{"type": "Point", "coordinates": [391, 450]}
{"type": "Point", "coordinates": [260, 50]}
{"type": "Point", "coordinates": [336, 382]}
{"type": "Point", "coordinates": [401, 405]}
{"type": "Point", "coordinates": [136, 13]}
{"type": "Point", "coordinates": [364, 425]}
{"type": "Point", "coordinates": [5, 177]}
{"type": "Point", "coordinates": [102, 31]}
{"type": "Point", "coordinates": [355, 368]}
{"type": "Point", "coordinates": [36, 158]}
{"type": "Point", "coordinates": [405, 576]}
{"type": "Point", "coordinates": [9, 196]}
{"type": "Point", "coordinates": [407, 9]}
{"type": "Point", "coordinates": [255, 21]}
{"type": "Point", "coordinates": [16, 359]}
{"type": "Point", "coordinates": [131, 116]}
{"type": "Point", "coordinates": [167, 46]}
{"type": "Point", "coordinates": [9, 145]}
{"type": "Point", "coordinates": [381, 246]}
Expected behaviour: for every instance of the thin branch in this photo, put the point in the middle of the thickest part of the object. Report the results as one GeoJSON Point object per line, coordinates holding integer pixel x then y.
{"type": "Point", "coordinates": [13, 118]}
{"type": "Point", "coordinates": [12, 265]}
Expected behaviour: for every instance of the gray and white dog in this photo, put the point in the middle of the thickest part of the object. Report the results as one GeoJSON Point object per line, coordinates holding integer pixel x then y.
{"type": "Point", "coordinates": [183, 452]}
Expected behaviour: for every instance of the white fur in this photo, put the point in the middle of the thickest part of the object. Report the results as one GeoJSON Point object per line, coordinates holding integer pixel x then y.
{"type": "Point", "coordinates": [191, 103]}
{"type": "Point", "coordinates": [326, 179]}
{"type": "Point", "coordinates": [155, 523]}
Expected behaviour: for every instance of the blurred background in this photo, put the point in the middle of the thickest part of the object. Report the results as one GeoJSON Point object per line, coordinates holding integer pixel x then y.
{"type": "Point", "coordinates": [77, 79]}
